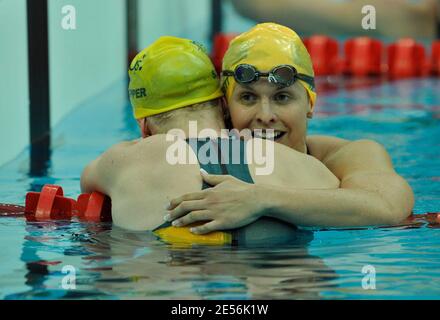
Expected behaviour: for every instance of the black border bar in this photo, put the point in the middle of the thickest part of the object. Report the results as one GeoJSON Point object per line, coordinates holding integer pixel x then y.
{"type": "Point", "coordinates": [132, 29]}
{"type": "Point", "coordinates": [216, 17]}
{"type": "Point", "coordinates": [39, 99]}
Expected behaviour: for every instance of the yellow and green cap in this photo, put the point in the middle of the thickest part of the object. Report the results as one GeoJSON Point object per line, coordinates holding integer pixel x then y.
{"type": "Point", "coordinates": [182, 236]}
{"type": "Point", "coordinates": [171, 73]}
{"type": "Point", "coordinates": [265, 46]}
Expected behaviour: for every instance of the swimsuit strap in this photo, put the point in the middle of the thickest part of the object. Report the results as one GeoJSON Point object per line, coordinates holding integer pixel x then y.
{"type": "Point", "coordinates": [229, 155]}
{"type": "Point", "coordinates": [234, 151]}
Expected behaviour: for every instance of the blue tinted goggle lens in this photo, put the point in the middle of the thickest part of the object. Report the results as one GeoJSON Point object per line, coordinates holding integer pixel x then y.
{"type": "Point", "coordinates": [245, 73]}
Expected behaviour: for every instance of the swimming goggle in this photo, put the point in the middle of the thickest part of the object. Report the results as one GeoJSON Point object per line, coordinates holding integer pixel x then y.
{"type": "Point", "coordinates": [283, 75]}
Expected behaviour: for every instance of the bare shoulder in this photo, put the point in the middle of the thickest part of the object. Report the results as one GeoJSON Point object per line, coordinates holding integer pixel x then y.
{"type": "Point", "coordinates": [359, 156]}
{"type": "Point", "coordinates": [327, 148]}
{"type": "Point", "coordinates": [157, 147]}
{"type": "Point", "coordinates": [115, 157]}
{"type": "Point", "coordinates": [288, 167]}
{"type": "Point", "coordinates": [159, 141]}
{"type": "Point", "coordinates": [279, 151]}
{"type": "Point", "coordinates": [124, 151]}
{"type": "Point", "coordinates": [289, 155]}
{"type": "Point", "coordinates": [321, 147]}
{"type": "Point", "coordinates": [99, 173]}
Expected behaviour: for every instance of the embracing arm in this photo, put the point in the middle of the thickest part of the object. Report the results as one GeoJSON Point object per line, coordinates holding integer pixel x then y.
{"type": "Point", "coordinates": [371, 192]}
{"type": "Point", "coordinates": [344, 207]}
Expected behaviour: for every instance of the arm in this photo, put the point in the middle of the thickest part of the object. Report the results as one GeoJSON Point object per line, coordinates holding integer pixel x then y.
{"type": "Point", "coordinates": [394, 18]}
{"type": "Point", "coordinates": [345, 207]}
{"type": "Point", "coordinates": [371, 193]}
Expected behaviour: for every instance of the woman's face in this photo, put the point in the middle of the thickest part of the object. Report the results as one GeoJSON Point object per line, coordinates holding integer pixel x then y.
{"type": "Point", "coordinates": [263, 105]}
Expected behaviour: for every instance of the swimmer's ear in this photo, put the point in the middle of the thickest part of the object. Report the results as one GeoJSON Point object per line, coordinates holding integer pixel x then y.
{"type": "Point", "coordinates": [226, 114]}
{"type": "Point", "coordinates": [225, 108]}
{"type": "Point", "coordinates": [143, 126]}
{"type": "Point", "coordinates": [310, 112]}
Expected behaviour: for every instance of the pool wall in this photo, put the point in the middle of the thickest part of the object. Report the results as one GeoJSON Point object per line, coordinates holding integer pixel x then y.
{"type": "Point", "coordinates": [85, 61]}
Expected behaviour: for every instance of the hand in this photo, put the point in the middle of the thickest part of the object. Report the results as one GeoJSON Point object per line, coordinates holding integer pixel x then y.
{"type": "Point", "coordinates": [230, 204]}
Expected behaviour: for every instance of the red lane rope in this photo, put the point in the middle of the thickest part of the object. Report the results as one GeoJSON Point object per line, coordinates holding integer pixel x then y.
{"type": "Point", "coordinates": [11, 210]}
{"type": "Point", "coordinates": [359, 56]}
{"type": "Point", "coordinates": [50, 204]}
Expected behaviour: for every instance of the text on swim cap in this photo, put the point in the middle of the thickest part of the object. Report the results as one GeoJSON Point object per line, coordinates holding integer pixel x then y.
{"type": "Point", "coordinates": [199, 46]}
{"type": "Point", "coordinates": [138, 65]}
{"type": "Point", "coordinates": [137, 93]}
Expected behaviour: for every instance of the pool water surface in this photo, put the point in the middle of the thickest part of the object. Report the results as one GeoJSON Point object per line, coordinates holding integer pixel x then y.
{"type": "Point", "coordinates": [400, 262]}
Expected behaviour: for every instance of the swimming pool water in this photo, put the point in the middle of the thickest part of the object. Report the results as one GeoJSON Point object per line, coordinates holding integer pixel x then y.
{"type": "Point", "coordinates": [111, 263]}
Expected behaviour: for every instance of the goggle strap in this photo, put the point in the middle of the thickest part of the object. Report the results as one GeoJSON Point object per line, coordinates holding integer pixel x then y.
{"type": "Point", "coordinates": [310, 80]}
{"type": "Point", "coordinates": [228, 73]}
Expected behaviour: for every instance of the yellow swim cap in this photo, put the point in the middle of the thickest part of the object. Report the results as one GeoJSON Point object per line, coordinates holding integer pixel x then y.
{"type": "Point", "coordinates": [265, 46]}
{"type": "Point", "coordinates": [171, 73]}
{"type": "Point", "coordinates": [184, 237]}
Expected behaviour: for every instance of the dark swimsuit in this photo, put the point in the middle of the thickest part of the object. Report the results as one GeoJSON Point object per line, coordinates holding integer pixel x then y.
{"type": "Point", "coordinates": [227, 156]}
{"type": "Point", "coordinates": [221, 156]}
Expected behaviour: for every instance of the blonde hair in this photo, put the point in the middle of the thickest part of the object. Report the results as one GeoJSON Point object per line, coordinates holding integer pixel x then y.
{"type": "Point", "coordinates": [211, 108]}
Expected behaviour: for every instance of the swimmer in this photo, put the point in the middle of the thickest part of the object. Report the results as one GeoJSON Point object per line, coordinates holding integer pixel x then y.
{"type": "Point", "coordinates": [179, 85]}
{"type": "Point", "coordinates": [258, 69]}
{"type": "Point", "coordinates": [394, 19]}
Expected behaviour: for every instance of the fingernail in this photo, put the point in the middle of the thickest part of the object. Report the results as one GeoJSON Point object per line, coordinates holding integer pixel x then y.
{"type": "Point", "coordinates": [203, 171]}
{"type": "Point", "coordinates": [168, 205]}
{"type": "Point", "coordinates": [167, 217]}
{"type": "Point", "coordinates": [193, 230]}
{"type": "Point", "coordinates": [176, 223]}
